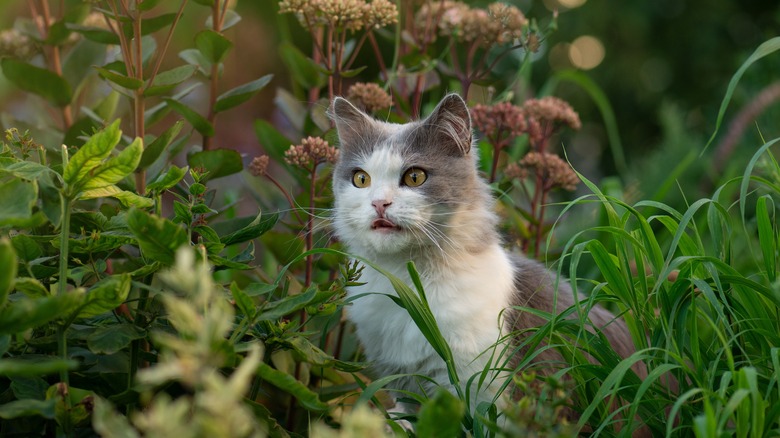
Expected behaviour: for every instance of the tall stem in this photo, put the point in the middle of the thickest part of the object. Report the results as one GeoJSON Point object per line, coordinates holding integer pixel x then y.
{"type": "Point", "coordinates": [216, 20]}
{"type": "Point", "coordinates": [310, 227]}
{"type": "Point", "coordinates": [140, 177]}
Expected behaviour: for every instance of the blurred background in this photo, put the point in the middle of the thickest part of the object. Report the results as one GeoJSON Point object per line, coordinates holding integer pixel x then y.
{"type": "Point", "coordinates": [663, 66]}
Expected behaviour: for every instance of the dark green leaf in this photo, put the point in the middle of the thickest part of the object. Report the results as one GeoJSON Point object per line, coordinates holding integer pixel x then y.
{"type": "Point", "coordinates": [30, 287]}
{"type": "Point", "coordinates": [303, 70]}
{"type": "Point", "coordinates": [17, 199]}
{"type": "Point", "coordinates": [105, 295]}
{"type": "Point", "coordinates": [158, 238]}
{"type": "Point", "coordinates": [218, 162]}
{"type": "Point", "coordinates": [257, 228]}
{"type": "Point", "coordinates": [156, 147]}
{"type": "Point", "coordinates": [272, 141]}
{"type": "Point", "coordinates": [243, 301]}
{"type": "Point", "coordinates": [31, 365]}
{"type": "Point", "coordinates": [95, 34]}
{"type": "Point", "coordinates": [110, 339]}
{"type": "Point", "coordinates": [8, 272]}
{"type": "Point", "coordinates": [313, 355]}
{"type": "Point", "coordinates": [291, 385]}
{"type": "Point", "coordinates": [29, 387]}
{"type": "Point", "coordinates": [197, 121]}
{"type": "Point", "coordinates": [204, 2]}
{"type": "Point", "coordinates": [168, 80]}
{"type": "Point", "coordinates": [241, 94]}
{"type": "Point", "coordinates": [26, 313]}
{"type": "Point", "coordinates": [120, 79]}
{"type": "Point", "coordinates": [77, 66]}
{"type": "Point", "coordinates": [40, 81]}
{"type": "Point", "coordinates": [27, 408]}
{"type": "Point", "coordinates": [147, 5]}
{"type": "Point", "coordinates": [766, 237]}
{"type": "Point", "coordinates": [354, 72]}
{"type": "Point", "coordinates": [153, 24]}
{"type": "Point", "coordinates": [26, 247]}
{"type": "Point", "coordinates": [57, 34]}
{"type": "Point", "coordinates": [287, 305]}
{"type": "Point", "coordinates": [212, 45]}
{"type": "Point", "coordinates": [167, 179]}
{"type": "Point", "coordinates": [222, 262]}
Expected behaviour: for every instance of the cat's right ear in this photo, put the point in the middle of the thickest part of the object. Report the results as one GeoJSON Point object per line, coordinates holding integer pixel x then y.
{"type": "Point", "coordinates": [351, 123]}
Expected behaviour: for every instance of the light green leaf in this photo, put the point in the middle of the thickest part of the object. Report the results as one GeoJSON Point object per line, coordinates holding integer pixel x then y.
{"type": "Point", "coordinates": [241, 94]}
{"type": "Point", "coordinates": [115, 169]}
{"type": "Point", "coordinates": [31, 287]}
{"type": "Point", "coordinates": [291, 385]}
{"type": "Point", "coordinates": [168, 80]}
{"type": "Point", "coordinates": [91, 154]}
{"type": "Point", "coordinates": [10, 265]}
{"type": "Point", "coordinates": [105, 295]}
{"type": "Point", "coordinates": [212, 45]}
{"type": "Point", "coordinates": [158, 238]}
{"type": "Point", "coordinates": [440, 416]}
{"type": "Point", "coordinates": [31, 365]}
{"type": "Point", "coordinates": [40, 81]}
{"type": "Point", "coordinates": [29, 170]}
{"type": "Point", "coordinates": [194, 57]}
{"type": "Point", "coordinates": [110, 339]}
{"type": "Point", "coordinates": [128, 199]}
{"type": "Point", "coordinates": [168, 179]}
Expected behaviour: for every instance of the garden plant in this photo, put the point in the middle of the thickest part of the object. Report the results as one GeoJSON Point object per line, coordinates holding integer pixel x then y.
{"type": "Point", "coordinates": [143, 294]}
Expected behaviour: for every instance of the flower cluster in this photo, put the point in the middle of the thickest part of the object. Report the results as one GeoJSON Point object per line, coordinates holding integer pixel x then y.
{"type": "Point", "coordinates": [553, 110]}
{"type": "Point", "coordinates": [553, 171]}
{"type": "Point", "coordinates": [370, 96]}
{"type": "Point", "coordinates": [15, 44]}
{"type": "Point", "coordinates": [502, 120]}
{"type": "Point", "coordinates": [312, 152]}
{"type": "Point", "coordinates": [498, 24]}
{"type": "Point", "coordinates": [259, 165]}
{"type": "Point", "coordinates": [347, 14]}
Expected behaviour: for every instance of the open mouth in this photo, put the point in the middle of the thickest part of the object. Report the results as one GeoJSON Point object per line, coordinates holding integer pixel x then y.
{"type": "Point", "coordinates": [383, 224]}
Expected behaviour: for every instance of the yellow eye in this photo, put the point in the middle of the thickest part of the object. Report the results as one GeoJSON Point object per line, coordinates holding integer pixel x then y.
{"type": "Point", "coordinates": [414, 177]}
{"type": "Point", "coordinates": [361, 179]}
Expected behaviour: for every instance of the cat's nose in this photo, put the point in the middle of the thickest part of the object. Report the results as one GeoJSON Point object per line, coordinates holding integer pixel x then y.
{"type": "Point", "coordinates": [380, 205]}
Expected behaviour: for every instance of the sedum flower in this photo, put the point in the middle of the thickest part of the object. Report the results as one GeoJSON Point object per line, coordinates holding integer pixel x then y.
{"type": "Point", "coordinates": [380, 13]}
{"type": "Point", "coordinates": [312, 152]}
{"type": "Point", "coordinates": [15, 44]}
{"type": "Point", "coordinates": [553, 171]}
{"type": "Point", "coordinates": [369, 96]}
{"type": "Point", "coordinates": [500, 121]}
{"type": "Point", "coordinates": [552, 110]}
{"type": "Point", "coordinates": [498, 24]}
{"type": "Point", "coordinates": [506, 23]}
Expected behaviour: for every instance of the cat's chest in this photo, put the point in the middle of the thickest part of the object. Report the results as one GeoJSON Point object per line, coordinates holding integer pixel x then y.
{"type": "Point", "coordinates": [465, 298]}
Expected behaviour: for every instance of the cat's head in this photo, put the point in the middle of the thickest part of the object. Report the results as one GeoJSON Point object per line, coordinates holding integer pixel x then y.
{"type": "Point", "coordinates": [404, 186]}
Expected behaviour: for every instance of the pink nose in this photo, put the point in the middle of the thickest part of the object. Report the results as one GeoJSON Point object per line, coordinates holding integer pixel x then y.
{"type": "Point", "coordinates": [380, 206]}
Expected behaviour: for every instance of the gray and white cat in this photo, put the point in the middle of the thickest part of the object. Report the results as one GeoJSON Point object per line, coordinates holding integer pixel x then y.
{"type": "Point", "coordinates": [412, 192]}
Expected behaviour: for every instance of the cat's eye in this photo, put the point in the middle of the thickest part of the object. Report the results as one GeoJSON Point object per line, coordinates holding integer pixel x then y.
{"type": "Point", "coordinates": [414, 177]}
{"type": "Point", "coordinates": [361, 179]}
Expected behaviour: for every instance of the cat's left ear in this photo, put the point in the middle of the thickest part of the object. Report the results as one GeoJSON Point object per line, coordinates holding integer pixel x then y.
{"type": "Point", "coordinates": [451, 124]}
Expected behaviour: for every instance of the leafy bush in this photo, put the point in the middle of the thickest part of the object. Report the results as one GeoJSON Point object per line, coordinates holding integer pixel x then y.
{"type": "Point", "coordinates": [136, 301]}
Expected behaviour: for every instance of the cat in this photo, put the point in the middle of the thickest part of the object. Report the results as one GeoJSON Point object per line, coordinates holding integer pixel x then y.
{"type": "Point", "coordinates": [412, 192]}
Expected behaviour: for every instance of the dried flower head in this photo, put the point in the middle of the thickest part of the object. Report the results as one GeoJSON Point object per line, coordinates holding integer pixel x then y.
{"type": "Point", "coordinates": [553, 171]}
{"type": "Point", "coordinates": [312, 152]}
{"type": "Point", "coordinates": [15, 44]}
{"type": "Point", "coordinates": [515, 171]}
{"type": "Point", "coordinates": [347, 14]}
{"type": "Point", "coordinates": [500, 122]}
{"type": "Point", "coordinates": [552, 110]}
{"type": "Point", "coordinates": [499, 24]}
{"type": "Point", "coordinates": [506, 23]}
{"type": "Point", "coordinates": [369, 96]}
{"type": "Point", "coordinates": [259, 165]}
{"type": "Point", "coordinates": [380, 13]}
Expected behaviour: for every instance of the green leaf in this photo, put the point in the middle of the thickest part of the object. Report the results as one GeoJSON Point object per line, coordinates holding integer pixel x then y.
{"type": "Point", "coordinates": [440, 416]}
{"type": "Point", "coordinates": [243, 301]}
{"type": "Point", "coordinates": [257, 228]}
{"type": "Point", "coordinates": [147, 5]}
{"type": "Point", "coordinates": [153, 24]}
{"type": "Point", "coordinates": [77, 66]}
{"type": "Point", "coordinates": [231, 19]}
{"type": "Point", "coordinates": [26, 313]}
{"type": "Point", "coordinates": [91, 154]}
{"type": "Point", "coordinates": [167, 179]}
{"type": "Point", "coordinates": [168, 80]}
{"type": "Point", "coordinates": [212, 45]}
{"type": "Point", "coordinates": [26, 247]}
{"type": "Point", "coordinates": [95, 34]}
{"type": "Point", "coordinates": [105, 295]}
{"type": "Point", "coordinates": [218, 162]}
{"type": "Point", "coordinates": [120, 79]}
{"type": "Point", "coordinates": [31, 287]}
{"type": "Point", "coordinates": [766, 237]}
{"type": "Point", "coordinates": [287, 305]}
{"type": "Point", "coordinates": [40, 81]}
{"type": "Point", "coordinates": [314, 355]}
{"type": "Point", "coordinates": [241, 94]}
{"type": "Point", "coordinates": [203, 126]}
{"type": "Point", "coordinates": [27, 408]}
{"type": "Point", "coordinates": [115, 169]}
{"type": "Point", "coordinates": [158, 238]}
{"type": "Point", "coordinates": [29, 170]}
{"type": "Point", "coordinates": [304, 71]}
{"type": "Point", "coordinates": [110, 339]}
{"type": "Point", "coordinates": [204, 2]}
{"type": "Point", "coordinates": [10, 265]}
{"type": "Point", "coordinates": [107, 422]}
{"type": "Point", "coordinates": [156, 147]}
{"type": "Point", "coordinates": [17, 199]}
{"type": "Point", "coordinates": [291, 385]}
{"type": "Point", "coordinates": [128, 199]}
{"type": "Point", "coordinates": [29, 387]}
{"type": "Point", "coordinates": [197, 59]}
{"type": "Point", "coordinates": [272, 141]}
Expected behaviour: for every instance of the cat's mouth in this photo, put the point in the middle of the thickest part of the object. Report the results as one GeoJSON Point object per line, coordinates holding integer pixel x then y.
{"type": "Point", "coordinates": [384, 224]}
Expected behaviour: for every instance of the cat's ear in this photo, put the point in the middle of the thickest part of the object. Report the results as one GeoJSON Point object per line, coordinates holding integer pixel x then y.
{"type": "Point", "coordinates": [351, 123]}
{"type": "Point", "coordinates": [451, 124]}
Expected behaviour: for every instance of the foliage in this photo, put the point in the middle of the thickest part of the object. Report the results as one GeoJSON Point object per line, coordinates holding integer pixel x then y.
{"type": "Point", "coordinates": [135, 300]}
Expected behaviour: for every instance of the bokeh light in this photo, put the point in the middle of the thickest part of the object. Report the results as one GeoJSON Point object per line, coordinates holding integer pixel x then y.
{"type": "Point", "coordinates": [586, 52]}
